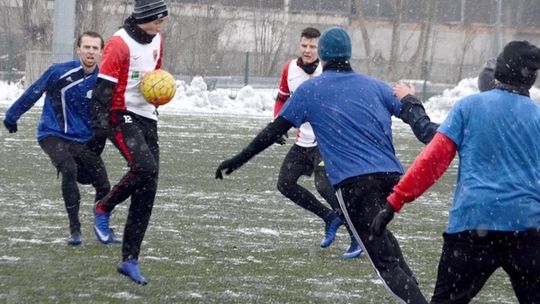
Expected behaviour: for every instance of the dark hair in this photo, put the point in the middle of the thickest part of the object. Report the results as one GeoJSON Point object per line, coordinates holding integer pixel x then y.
{"type": "Point", "coordinates": [90, 34]}
{"type": "Point", "coordinates": [310, 33]}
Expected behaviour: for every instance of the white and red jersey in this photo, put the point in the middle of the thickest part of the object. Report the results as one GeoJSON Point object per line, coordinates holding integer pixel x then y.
{"type": "Point", "coordinates": [125, 61]}
{"type": "Point", "coordinates": [292, 77]}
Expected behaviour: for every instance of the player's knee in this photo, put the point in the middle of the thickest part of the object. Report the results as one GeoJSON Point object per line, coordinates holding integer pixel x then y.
{"type": "Point", "coordinates": [145, 175]}
{"type": "Point", "coordinates": [68, 169]}
{"type": "Point", "coordinates": [103, 187]}
{"type": "Point", "coordinates": [285, 186]}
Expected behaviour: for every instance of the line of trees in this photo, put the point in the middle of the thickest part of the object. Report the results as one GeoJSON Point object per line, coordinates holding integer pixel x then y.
{"type": "Point", "coordinates": [213, 39]}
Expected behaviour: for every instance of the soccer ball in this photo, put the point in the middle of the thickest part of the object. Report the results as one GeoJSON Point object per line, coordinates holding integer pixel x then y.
{"type": "Point", "coordinates": [158, 87]}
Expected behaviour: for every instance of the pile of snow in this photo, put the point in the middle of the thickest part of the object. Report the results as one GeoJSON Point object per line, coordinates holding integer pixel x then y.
{"type": "Point", "coordinates": [195, 98]}
{"type": "Point", "coordinates": [10, 92]}
{"type": "Point", "coordinates": [438, 106]}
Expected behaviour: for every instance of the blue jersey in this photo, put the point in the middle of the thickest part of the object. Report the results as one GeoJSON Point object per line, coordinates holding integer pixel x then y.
{"type": "Point", "coordinates": [351, 117]}
{"type": "Point", "coordinates": [66, 109]}
{"type": "Point", "coordinates": [496, 133]}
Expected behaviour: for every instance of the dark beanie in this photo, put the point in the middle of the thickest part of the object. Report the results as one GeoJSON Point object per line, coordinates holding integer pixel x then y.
{"type": "Point", "coordinates": [149, 10]}
{"type": "Point", "coordinates": [518, 64]}
{"type": "Point", "coordinates": [334, 44]}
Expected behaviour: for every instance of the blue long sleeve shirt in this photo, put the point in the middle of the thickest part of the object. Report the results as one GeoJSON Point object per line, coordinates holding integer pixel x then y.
{"type": "Point", "coordinates": [351, 116]}
{"type": "Point", "coordinates": [66, 109]}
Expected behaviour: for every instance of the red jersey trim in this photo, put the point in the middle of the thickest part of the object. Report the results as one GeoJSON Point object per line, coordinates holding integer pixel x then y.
{"type": "Point", "coordinates": [284, 92]}
{"type": "Point", "coordinates": [115, 65]}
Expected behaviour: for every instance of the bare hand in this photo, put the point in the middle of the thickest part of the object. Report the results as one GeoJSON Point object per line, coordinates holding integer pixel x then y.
{"type": "Point", "coordinates": [402, 89]}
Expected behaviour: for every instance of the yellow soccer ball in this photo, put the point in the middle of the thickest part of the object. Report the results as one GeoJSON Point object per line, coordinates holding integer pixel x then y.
{"type": "Point", "coordinates": [158, 87]}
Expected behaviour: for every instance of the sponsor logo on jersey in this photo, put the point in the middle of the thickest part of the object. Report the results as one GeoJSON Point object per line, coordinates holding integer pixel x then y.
{"type": "Point", "coordinates": [136, 74]}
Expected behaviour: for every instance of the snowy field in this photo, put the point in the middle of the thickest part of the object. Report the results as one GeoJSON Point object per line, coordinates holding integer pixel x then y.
{"type": "Point", "coordinates": [231, 241]}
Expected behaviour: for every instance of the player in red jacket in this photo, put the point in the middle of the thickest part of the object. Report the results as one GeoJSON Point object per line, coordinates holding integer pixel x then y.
{"type": "Point", "coordinates": [122, 113]}
{"type": "Point", "coordinates": [304, 157]}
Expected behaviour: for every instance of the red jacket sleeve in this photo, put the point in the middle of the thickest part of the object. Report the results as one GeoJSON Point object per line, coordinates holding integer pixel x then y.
{"type": "Point", "coordinates": [115, 60]}
{"type": "Point", "coordinates": [160, 60]}
{"type": "Point", "coordinates": [426, 169]}
{"type": "Point", "coordinates": [284, 92]}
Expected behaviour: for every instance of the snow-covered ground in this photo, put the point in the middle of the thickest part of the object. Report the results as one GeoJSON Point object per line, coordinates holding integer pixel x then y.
{"type": "Point", "coordinates": [231, 241]}
{"type": "Point", "coordinates": [195, 97]}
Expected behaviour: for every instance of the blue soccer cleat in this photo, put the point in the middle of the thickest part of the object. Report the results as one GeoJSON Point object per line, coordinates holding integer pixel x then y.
{"type": "Point", "coordinates": [130, 268]}
{"type": "Point", "coordinates": [354, 251]}
{"type": "Point", "coordinates": [74, 239]}
{"type": "Point", "coordinates": [113, 239]}
{"type": "Point", "coordinates": [330, 231]}
{"type": "Point", "coordinates": [101, 226]}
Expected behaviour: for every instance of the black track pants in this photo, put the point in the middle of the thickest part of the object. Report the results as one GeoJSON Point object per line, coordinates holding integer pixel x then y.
{"type": "Point", "coordinates": [75, 162]}
{"type": "Point", "coordinates": [361, 198]}
{"type": "Point", "coordinates": [137, 140]}
{"type": "Point", "coordinates": [305, 161]}
{"type": "Point", "coordinates": [468, 259]}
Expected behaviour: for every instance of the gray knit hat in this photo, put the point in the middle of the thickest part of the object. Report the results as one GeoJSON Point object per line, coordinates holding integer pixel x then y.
{"type": "Point", "coordinates": [149, 10]}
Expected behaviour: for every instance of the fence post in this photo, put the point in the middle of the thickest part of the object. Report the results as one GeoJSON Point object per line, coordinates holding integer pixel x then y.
{"type": "Point", "coordinates": [10, 60]}
{"type": "Point", "coordinates": [246, 69]}
{"type": "Point", "coordinates": [424, 77]}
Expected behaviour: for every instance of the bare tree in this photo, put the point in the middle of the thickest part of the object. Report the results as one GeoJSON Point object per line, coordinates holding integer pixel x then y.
{"type": "Point", "coordinates": [90, 16]}
{"type": "Point", "coordinates": [173, 42]}
{"type": "Point", "coordinates": [356, 12]}
{"type": "Point", "coordinates": [396, 38]}
{"type": "Point", "coordinates": [37, 23]}
{"type": "Point", "coordinates": [415, 71]}
{"type": "Point", "coordinates": [269, 29]}
{"type": "Point", "coordinates": [195, 42]}
{"type": "Point", "coordinates": [7, 38]}
{"type": "Point", "coordinates": [468, 39]}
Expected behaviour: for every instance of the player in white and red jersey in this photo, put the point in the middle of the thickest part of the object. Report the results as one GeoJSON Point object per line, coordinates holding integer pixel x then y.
{"type": "Point", "coordinates": [304, 157]}
{"type": "Point", "coordinates": [121, 113]}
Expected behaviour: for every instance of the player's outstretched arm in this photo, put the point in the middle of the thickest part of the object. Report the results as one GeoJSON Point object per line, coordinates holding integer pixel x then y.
{"type": "Point", "coordinates": [28, 99]}
{"type": "Point", "coordinates": [426, 169]}
{"type": "Point", "coordinates": [263, 140]}
{"type": "Point", "coordinates": [414, 114]}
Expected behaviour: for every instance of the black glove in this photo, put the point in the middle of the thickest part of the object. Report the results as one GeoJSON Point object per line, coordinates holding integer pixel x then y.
{"type": "Point", "coordinates": [378, 225]}
{"type": "Point", "coordinates": [283, 139]}
{"type": "Point", "coordinates": [97, 141]}
{"type": "Point", "coordinates": [231, 165]}
{"type": "Point", "coordinates": [412, 109]}
{"type": "Point", "coordinates": [12, 127]}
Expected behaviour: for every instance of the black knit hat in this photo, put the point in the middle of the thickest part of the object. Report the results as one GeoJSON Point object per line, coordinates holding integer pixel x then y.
{"type": "Point", "coordinates": [518, 64]}
{"type": "Point", "coordinates": [149, 10]}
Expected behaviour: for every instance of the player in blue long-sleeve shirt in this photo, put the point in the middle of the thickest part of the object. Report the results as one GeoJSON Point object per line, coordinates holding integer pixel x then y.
{"type": "Point", "coordinates": [64, 129]}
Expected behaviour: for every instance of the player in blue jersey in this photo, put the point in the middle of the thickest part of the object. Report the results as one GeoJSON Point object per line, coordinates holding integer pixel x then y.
{"type": "Point", "coordinates": [494, 221]}
{"type": "Point", "coordinates": [351, 116]}
{"type": "Point", "coordinates": [64, 130]}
